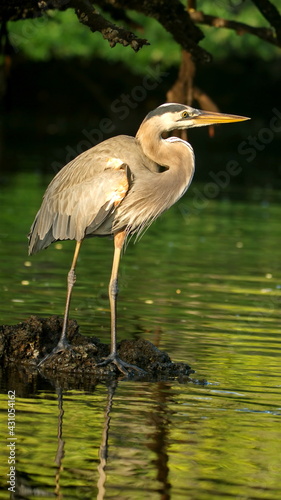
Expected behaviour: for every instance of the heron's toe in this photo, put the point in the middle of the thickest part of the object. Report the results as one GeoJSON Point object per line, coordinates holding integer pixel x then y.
{"type": "Point", "coordinates": [62, 345]}
{"type": "Point", "coordinates": [122, 366]}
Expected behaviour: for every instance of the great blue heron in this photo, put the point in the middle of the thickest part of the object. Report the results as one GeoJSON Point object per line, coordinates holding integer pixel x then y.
{"type": "Point", "coordinates": [118, 188]}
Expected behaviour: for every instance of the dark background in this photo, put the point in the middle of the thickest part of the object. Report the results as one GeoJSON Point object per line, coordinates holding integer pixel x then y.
{"type": "Point", "coordinates": [46, 106]}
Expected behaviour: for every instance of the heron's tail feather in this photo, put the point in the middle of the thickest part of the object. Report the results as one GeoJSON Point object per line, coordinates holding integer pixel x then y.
{"type": "Point", "coordinates": [35, 242]}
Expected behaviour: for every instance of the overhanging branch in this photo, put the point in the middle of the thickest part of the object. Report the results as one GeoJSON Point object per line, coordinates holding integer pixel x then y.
{"type": "Point", "coordinates": [173, 16]}
{"type": "Point", "coordinates": [88, 16]}
{"type": "Point", "coordinates": [271, 14]}
{"type": "Point", "coordinates": [266, 34]}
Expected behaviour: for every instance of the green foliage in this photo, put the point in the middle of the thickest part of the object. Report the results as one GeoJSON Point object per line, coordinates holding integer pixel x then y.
{"type": "Point", "coordinates": [223, 42]}
{"type": "Point", "coordinates": [60, 35]}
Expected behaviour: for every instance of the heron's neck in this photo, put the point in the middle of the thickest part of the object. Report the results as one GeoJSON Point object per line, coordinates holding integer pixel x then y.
{"type": "Point", "coordinates": [173, 153]}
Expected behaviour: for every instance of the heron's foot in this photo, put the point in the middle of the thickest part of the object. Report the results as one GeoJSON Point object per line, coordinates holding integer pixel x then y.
{"type": "Point", "coordinates": [62, 345]}
{"type": "Point", "coordinates": [122, 366]}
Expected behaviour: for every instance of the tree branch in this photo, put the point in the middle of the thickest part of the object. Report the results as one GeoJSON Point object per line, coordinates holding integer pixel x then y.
{"type": "Point", "coordinates": [174, 18]}
{"type": "Point", "coordinates": [266, 34]}
{"type": "Point", "coordinates": [271, 14]}
{"type": "Point", "coordinates": [96, 22]}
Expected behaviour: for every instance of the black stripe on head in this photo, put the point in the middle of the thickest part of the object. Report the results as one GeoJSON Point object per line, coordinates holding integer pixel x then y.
{"type": "Point", "coordinates": [166, 108]}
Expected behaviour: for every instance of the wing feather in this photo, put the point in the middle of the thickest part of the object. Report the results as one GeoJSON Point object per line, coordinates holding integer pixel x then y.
{"type": "Point", "coordinates": [74, 207]}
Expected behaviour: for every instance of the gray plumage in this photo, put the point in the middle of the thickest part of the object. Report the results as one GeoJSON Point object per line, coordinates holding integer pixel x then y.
{"type": "Point", "coordinates": [74, 199]}
{"type": "Point", "coordinates": [118, 188]}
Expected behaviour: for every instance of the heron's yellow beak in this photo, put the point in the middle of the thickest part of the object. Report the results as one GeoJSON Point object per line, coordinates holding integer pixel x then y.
{"type": "Point", "coordinates": [211, 118]}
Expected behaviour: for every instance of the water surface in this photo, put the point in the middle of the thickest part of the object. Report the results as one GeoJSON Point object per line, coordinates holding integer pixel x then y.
{"type": "Point", "coordinates": [204, 284]}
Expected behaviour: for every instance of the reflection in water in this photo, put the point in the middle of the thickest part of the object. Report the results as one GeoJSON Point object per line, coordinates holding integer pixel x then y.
{"type": "Point", "coordinates": [103, 453]}
{"type": "Point", "coordinates": [60, 448]}
{"type": "Point", "coordinates": [158, 420]}
{"type": "Point", "coordinates": [159, 438]}
{"type": "Point", "coordinates": [162, 440]}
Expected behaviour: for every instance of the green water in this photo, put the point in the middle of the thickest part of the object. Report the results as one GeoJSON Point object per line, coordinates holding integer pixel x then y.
{"type": "Point", "coordinates": [204, 284]}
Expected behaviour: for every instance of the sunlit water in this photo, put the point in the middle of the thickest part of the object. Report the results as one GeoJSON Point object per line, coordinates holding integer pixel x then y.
{"type": "Point", "coordinates": [204, 284]}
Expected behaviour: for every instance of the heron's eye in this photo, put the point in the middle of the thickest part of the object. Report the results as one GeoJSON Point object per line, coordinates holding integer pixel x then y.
{"type": "Point", "coordinates": [184, 114]}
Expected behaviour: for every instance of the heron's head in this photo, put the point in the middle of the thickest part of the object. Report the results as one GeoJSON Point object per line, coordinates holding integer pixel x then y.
{"type": "Point", "coordinates": [173, 116]}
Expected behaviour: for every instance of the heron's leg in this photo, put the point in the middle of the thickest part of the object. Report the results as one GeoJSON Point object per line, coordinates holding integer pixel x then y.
{"type": "Point", "coordinates": [119, 239]}
{"type": "Point", "coordinates": [71, 278]}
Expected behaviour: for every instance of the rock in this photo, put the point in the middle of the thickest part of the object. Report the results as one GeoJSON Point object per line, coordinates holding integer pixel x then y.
{"type": "Point", "coordinates": [28, 342]}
